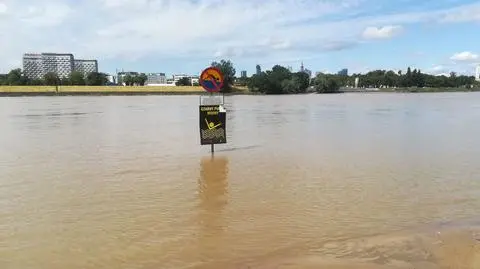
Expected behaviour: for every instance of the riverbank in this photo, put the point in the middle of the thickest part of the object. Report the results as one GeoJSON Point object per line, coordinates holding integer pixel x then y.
{"type": "Point", "coordinates": [13, 91]}
{"type": "Point", "coordinates": [105, 90]}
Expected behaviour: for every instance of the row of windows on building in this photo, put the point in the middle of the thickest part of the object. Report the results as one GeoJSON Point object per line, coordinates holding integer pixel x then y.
{"type": "Point", "coordinates": [35, 66]}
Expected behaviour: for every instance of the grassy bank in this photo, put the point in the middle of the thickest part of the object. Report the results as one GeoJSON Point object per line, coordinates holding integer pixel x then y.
{"type": "Point", "coordinates": [105, 90]}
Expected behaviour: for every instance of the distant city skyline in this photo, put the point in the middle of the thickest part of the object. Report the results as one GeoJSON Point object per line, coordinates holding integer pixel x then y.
{"type": "Point", "coordinates": [155, 77]}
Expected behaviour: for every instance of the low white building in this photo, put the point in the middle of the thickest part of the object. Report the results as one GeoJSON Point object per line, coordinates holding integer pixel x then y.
{"type": "Point", "coordinates": [156, 78]}
{"type": "Point", "coordinates": [193, 79]}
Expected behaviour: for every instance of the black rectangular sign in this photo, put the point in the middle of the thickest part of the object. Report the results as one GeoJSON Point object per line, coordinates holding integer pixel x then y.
{"type": "Point", "coordinates": [213, 125]}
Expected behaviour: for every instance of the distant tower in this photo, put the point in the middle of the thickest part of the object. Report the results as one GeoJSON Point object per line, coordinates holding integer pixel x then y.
{"type": "Point", "coordinates": [302, 69]}
{"type": "Point", "coordinates": [259, 69]}
{"type": "Point", "coordinates": [477, 73]}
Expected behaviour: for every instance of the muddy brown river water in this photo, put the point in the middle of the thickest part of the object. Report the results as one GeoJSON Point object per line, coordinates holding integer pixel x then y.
{"type": "Point", "coordinates": [308, 181]}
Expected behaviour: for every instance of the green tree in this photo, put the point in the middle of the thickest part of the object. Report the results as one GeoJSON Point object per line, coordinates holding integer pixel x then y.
{"type": "Point", "coordinates": [51, 79]}
{"type": "Point", "coordinates": [128, 80]}
{"type": "Point", "coordinates": [77, 78]}
{"type": "Point", "coordinates": [258, 83]}
{"type": "Point", "coordinates": [140, 79]}
{"type": "Point", "coordinates": [143, 79]}
{"type": "Point", "coordinates": [65, 81]}
{"type": "Point", "coordinates": [3, 79]}
{"type": "Point", "coordinates": [391, 79]}
{"type": "Point", "coordinates": [185, 81]}
{"type": "Point", "coordinates": [408, 78]}
{"type": "Point", "coordinates": [326, 84]}
{"type": "Point", "coordinates": [36, 82]}
{"type": "Point", "coordinates": [290, 86]}
{"type": "Point", "coordinates": [303, 79]}
{"type": "Point", "coordinates": [279, 80]}
{"type": "Point", "coordinates": [15, 77]}
{"type": "Point", "coordinates": [96, 79]}
{"type": "Point", "coordinates": [298, 83]}
{"type": "Point", "coordinates": [228, 71]}
{"type": "Point", "coordinates": [275, 78]}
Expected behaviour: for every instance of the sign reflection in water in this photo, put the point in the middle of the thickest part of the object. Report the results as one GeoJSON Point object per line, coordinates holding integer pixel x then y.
{"type": "Point", "coordinates": [213, 198]}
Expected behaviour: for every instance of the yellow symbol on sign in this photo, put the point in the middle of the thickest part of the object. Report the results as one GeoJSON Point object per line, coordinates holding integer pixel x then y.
{"type": "Point", "coordinates": [212, 125]}
{"type": "Point", "coordinates": [212, 74]}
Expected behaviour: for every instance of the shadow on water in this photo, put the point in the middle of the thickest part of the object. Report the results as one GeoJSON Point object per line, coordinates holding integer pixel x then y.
{"type": "Point", "coordinates": [213, 198]}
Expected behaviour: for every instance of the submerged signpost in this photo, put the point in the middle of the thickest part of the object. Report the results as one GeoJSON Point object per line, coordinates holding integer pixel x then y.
{"type": "Point", "coordinates": [213, 117]}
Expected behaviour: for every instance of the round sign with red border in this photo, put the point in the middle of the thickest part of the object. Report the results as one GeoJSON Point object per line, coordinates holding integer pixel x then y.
{"type": "Point", "coordinates": [211, 79]}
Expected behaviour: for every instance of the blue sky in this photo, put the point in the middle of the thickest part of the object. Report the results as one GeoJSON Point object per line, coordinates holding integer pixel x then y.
{"type": "Point", "coordinates": [184, 36]}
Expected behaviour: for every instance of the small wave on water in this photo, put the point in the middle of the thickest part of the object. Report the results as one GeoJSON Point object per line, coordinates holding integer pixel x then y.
{"type": "Point", "coordinates": [438, 246]}
{"type": "Point", "coordinates": [54, 114]}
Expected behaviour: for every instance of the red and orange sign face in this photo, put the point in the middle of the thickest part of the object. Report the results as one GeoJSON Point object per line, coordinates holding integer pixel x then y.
{"type": "Point", "coordinates": [211, 79]}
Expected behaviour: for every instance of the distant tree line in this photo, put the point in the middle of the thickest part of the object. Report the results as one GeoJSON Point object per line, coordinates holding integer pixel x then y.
{"type": "Point", "coordinates": [415, 78]}
{"type": "Point", "coordinates": [17, 78]}
{"type": "Point", "coordinates": [280, 80]}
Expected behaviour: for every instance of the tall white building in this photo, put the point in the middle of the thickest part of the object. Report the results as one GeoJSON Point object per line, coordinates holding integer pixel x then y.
{"type": "Point", "coordinates": [35, 66]}
{"type": "Point", "coordinates": [477, 73]}
{"type": "Point", "coordinates": [60, 64]}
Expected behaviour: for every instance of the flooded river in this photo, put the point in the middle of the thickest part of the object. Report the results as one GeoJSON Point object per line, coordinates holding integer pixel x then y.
{"type": "Point", "coordinates": [309, 181]}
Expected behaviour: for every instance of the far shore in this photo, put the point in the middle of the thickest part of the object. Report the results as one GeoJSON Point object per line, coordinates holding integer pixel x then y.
{"type": "Point", "coordinates": [12, 91]}
{"type": "Point", "coordinates": [106, 90]}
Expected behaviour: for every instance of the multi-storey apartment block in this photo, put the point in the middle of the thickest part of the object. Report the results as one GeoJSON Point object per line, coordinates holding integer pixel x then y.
{"type": "Point", "coordinates": [85, 66]}
{"type": "Point", "coordinates": [35, 66]}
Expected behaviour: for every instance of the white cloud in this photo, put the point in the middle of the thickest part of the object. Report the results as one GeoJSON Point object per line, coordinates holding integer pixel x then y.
{"type": "Point", "coordinates": [268, 30]}
{"type": "Point", "coordinates": [465, 56]}
{"type": "Point", "coordinates": [462, 14]}
{"type": "Point", "coordinates": [384, 32]}
{"type": "Point", "coordinates": [437, 70]}
{"type": "Point", "coordinates": [3, 8]}
{"type": "Point", "coordinates": [445, 69]}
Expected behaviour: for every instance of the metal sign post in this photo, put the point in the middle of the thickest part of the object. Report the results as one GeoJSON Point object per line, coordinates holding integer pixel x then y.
{"type": "Point", "coordinates": [212, 111]}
